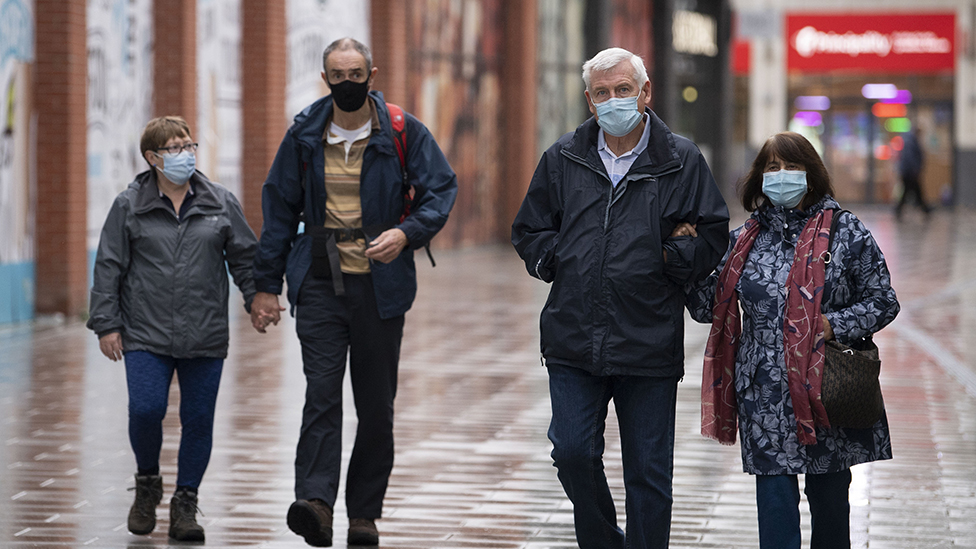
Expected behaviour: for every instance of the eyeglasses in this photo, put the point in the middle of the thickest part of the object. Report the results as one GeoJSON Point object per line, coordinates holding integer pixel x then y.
{"type": "Point", "coordinates": [176, 149]}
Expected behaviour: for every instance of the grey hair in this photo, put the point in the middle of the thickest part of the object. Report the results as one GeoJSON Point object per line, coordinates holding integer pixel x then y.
{"type": "Point", "coordinates": [347, 43]}
{"type": "Point", "coordinates": [609, 58]}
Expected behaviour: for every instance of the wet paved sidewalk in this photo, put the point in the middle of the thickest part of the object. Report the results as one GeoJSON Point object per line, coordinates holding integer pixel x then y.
{"type": "Point", "coordinates": [472, 464]}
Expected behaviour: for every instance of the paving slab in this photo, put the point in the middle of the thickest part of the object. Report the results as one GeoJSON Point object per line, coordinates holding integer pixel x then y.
{"type": "Point", "coordinates": [472, 463]}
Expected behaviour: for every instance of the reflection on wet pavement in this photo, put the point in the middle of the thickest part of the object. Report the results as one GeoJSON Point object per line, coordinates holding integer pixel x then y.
{"type": "Point", "coordinates": [472, 459]}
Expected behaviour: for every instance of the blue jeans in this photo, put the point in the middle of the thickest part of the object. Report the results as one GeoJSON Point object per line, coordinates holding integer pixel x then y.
{"type": "Point", "coordinates": [778, 501]}
{"type": "Point", "coordinates": [645, 414]}
{"type": "Point", "coordinates": [148, 377]}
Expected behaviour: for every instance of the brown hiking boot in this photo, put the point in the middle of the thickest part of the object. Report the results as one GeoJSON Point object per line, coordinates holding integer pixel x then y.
{"type": "Point", "coordinates": [362, 532]}
{"type": "Point", "coordinates": [311, 519]}
{"type": "Point", "coordinates": [142, 514]}
{"type": "Point", "coordinates": [183, 517]}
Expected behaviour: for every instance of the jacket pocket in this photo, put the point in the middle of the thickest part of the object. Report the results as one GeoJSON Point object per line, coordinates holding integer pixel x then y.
{"type": "Point", "coordinates": [645, 329]}
{"type": "Point", "coordinates": [565, 324]}
{"type": "Point", "coordinates": [297, 265]}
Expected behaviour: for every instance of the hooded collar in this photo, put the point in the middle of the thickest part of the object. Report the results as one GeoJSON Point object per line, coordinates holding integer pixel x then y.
{"type": "Point", "coordinates": [147, 193]}
{"type": "Point", "coordinates": [777, 217]}
{"type": "Point", "coordinates": [660, 156]}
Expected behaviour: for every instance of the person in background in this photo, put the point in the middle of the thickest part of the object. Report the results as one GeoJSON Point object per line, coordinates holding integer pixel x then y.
{"type": "Point", "coordinates": [159, 302]}
{"type": "Point", "coordinates": [911, 160]}
{"type": "Point", "coordinates": [619, 215]}
{"type": "Point", "coordinates": [351, 278]}
{"type": "Point", "coordinates": [772, 397]}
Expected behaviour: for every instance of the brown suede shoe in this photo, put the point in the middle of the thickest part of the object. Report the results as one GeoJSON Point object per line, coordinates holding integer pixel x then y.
{"type": "Point", "coordinates": [362, 532]}
{"type": "Point", "coordinates": [311, 519]}
{"type": "Point", "coordinates": [142, 515]}
{"type": "Point", "coordinates": [183, 525]}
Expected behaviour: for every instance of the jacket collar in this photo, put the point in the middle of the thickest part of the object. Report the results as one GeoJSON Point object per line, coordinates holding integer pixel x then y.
{"type": "Point", "coordinates": [776, 217]}
{"type": "Point", "coordinates": [309, 125]}
{"type": "Point", "coordinates": [147, 193]}
{"type": "Point", "coordinates": [660, 156]}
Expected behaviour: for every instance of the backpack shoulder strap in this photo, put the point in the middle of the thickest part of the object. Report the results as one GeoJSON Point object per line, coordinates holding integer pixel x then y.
{"type": "Point", "coordinates": [398, 122]}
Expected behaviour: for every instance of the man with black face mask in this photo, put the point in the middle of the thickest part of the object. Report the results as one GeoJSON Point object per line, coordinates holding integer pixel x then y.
{"type": "Point", "coordinates": [350, 277]}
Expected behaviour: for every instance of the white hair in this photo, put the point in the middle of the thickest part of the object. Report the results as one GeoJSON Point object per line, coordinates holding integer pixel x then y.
{"type": "Point", "coordinates": [609, 58]}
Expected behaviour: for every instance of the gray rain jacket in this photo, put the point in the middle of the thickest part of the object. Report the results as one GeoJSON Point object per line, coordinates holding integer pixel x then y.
{"type": "Point", "coordinates": [162, 282]}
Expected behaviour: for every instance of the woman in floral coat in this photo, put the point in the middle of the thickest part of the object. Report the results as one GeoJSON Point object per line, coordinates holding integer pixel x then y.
{"type": "Point", "coordinates": [750, 384]}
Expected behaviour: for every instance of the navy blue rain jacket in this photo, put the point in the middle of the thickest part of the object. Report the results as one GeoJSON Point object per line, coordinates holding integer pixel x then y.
{"type": "Point", "coordinates": [615, 306]}
{"type": "Point", "coordinates": [296, 186]}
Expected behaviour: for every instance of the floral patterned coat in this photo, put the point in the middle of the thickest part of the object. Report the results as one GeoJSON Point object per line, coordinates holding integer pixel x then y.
{"type": "Point", "coordinates": [858, 301]}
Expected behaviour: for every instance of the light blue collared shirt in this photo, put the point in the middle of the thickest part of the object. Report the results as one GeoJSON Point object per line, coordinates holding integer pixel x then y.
{"type": "Point", "coordinates": [618, 166]}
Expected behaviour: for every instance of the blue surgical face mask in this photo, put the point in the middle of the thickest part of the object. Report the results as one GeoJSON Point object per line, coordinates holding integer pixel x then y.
{"type": "Point", "coordinates": [785, 187]}
{"type": "Point", "coordinates": [178, 167]}
{"type": "Point", "coordinates": [618, 116]}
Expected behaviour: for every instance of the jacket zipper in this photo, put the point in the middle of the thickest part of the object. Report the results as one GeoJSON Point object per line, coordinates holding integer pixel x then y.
{"type": "Point", "coordinates": [606, 225]}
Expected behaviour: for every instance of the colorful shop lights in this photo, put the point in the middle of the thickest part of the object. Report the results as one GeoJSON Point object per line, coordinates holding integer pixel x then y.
{"type": "Point", "coordinates": [808, 118]}
{"type": "Point", "coordinates": [879, 91]}
{"type": "Point", "coordinates": [889, 110]}
{"type": "Point", "coordinates": [886, 93]}
{"type": "Point", "coordinates": [901, 96]}
{"type": "Point", "coordinates": [812, 103]}
{"type": "Point", "coordinates": [898, 125]}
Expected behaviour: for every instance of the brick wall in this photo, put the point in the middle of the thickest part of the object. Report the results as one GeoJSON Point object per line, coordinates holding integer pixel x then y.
{"type": "Point", "coordinates": [519, 73]}
{"type": "Point", "coordinates": [388, 31]}
{"type": "Point", "coordinates": [175, 59]}
{"type": "Point", "coordinates": [263, 59]}
{"type": "Point", "coordinates": [61, 260]}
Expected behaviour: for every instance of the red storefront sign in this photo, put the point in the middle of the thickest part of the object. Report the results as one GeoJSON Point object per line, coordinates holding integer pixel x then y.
{"type": "Point", "coordinates": [871, 42]}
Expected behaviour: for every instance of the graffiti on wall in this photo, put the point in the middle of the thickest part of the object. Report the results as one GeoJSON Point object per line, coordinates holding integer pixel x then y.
{"type": "Point", "coordinates": [313, 25]}
{"type": "Point", "coordinates": [16, 54]}
{"type": "Point", "coordinates": [561, 103]}
{"type": "Point", "coordinates": [219, 97]}
{"type": "Point", "coordinates": [119, 100]}
{"type": "Point", "coordinates": [455, 89]}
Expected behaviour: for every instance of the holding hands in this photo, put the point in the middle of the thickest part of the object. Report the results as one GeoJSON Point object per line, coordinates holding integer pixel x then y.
{"type": "Point", "coordinates": [265, 310]}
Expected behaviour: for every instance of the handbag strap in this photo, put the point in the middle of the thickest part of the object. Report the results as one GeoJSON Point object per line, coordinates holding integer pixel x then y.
{"type": "Point", "coordinates": [829, 256]}
{"type": "Point", "coordinates": [866, 340]}
{"type": "Point", "coordinates": [833, 228]}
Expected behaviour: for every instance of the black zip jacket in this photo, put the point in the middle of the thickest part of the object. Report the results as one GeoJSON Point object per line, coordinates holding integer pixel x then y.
{"type": "Point", "coordinates": [615, 306]}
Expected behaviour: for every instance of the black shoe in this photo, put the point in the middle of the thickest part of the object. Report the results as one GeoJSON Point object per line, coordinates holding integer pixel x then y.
{"type": "Point", "coordinates": [362, 532]}
{"type": "Point", "coordinates": [183, 524]}
{"type": "Point", "coordinates": [142, 514]}
{"type": "Point", "coordinates": [311, 519]}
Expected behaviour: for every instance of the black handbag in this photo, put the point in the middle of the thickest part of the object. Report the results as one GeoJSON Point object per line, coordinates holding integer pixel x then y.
{"type": "Point", "coordinates": [850, 390]}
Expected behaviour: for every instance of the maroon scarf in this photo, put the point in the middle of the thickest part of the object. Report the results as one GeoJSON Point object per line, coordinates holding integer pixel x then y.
{"type": "Point", "coordinates": [802, 331]}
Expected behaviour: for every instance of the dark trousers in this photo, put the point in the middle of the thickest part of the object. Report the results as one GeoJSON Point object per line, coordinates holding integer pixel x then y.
{"type": "Point", "coordinates": [778, 500]}
{"type": "Point", "coordinates": [329, 327]}
{"type": "Point", "coordinates": [912, 187]}
{"type": "Point", "coordinates": [148, 377]}
{"type": "Point", "coordinates": [645, 408]}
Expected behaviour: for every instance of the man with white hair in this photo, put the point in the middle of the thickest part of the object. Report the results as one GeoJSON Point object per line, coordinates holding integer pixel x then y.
{"type": "Point", "coordinates": [619, 216]}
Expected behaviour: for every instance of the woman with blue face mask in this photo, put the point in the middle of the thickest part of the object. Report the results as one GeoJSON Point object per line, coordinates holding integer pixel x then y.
{"type": "Point", "coordinates": [767, 280]}
{"type": "Point", "coordinates": [159, 304]}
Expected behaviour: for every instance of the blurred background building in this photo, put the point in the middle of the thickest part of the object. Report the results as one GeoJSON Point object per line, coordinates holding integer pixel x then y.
{"type": "Point", "coordinates": [854, 76]}
{"type": "Point", "coordinates": [497, 81]}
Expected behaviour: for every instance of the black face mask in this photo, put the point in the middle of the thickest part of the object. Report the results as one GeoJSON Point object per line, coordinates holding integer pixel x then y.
{"type": "Point", "coordinates": [350, 96]}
